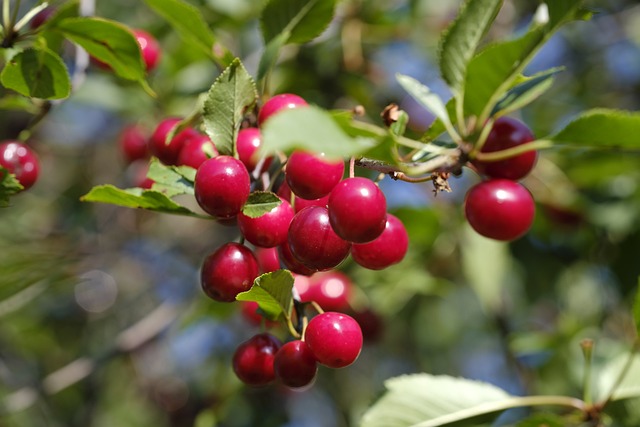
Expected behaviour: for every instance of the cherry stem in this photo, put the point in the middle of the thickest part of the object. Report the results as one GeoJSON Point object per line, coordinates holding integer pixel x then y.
{"type": "Point", "coordinates": [352, 167]}
{"type": "Point", "coordinates": [511, 152]}
{"type": "Point", "coordinates": [316, 307]}
{"type": "Point", "coordinates": [29, 16]}
{"type": "Point", "coordinates": [401, 176]}
{"type": "Point", "coordinates": [587, 351]}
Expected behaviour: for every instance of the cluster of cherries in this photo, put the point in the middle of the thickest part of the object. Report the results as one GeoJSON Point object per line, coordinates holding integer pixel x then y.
{"type": "Point", "coordinates": [500, 207]}
{"type": "Point", "coordinates": [21, 161]}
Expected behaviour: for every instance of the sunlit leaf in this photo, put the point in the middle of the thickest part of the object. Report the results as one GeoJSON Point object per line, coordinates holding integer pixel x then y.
{"type": "Point", "coordinates": [260, 203]}
{"type": "Point", "coordinates": [602, 128]}
{"type": "Point", "coordinates": [272, 292]}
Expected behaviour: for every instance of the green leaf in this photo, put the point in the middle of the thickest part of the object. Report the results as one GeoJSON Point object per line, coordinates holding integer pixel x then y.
{"type": "Point", "coordinates": [230, 97]}
{"type": "Point", "coordinates": [37, 73]}
{"type": "Point", "coordinates": [428, 401]}
{"type": "Point", "coordinates": [313, 129]}
{"type": "Point", "coordinates": [137, 198]}
{"type": "Point", "coordinates": [636, 308]}
{"type": "Point", "coordinates": [425, 97]}
{"type": "Point", "coordinates": [260, 203]}
{"type": "Point", "coordinates": [525, 93]}
{"type": "Point", "coordinates": [53, 38]}
{"type": "Point", "coordinates": [18, 103]}
{"type": "Point", "coordinates": [460, 41]}
{"type": "Point", "coordinates": [191, 26]}
{"type": "Point", "coordinates": [628, 388]}
{"type": "Point", "coordinates": [602, 128]}
{"type": "Point", "coordinates": [171, 180]}
{"type": "Point", "coordinates": [302, 20]}
{"type": "Point", "coordinates": [270, 55]}
{"type": "Point", "coordinates": [107, 41]}
{"type": "Point", "coordinates": [9, 186]}
{"type": "Point", "coordinates": [272, 292]}
{"type": "Point", "coordinates": [494, 70]}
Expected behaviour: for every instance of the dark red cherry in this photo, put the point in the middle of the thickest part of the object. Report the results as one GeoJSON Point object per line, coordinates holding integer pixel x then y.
{"type": "Point", "coordinates": [331, 290]}
{"type": "Point", "coordinates": [133, 143]}
{"type": "Point", "coordinates": [291, 262]}
{"type": "Point", "coordinates": [229, 270]}
{"type": "Point", "coordinates": [168, 153]}
{"type": "Point", "coordinates": [295, 365]}
{"type": "Point", "coordinates": [222, 186]}
{"type": "Point", "coordinates": [247, 145]}
{"type": "Point", "coordinates": [277, 103]}
{"type": "Point", "coordinates": [334, 338]}
{"type": "Point", "coordinates": [253, 360]}
{"type": "Point", "coordinates": [300, 203]}
{"type": "Point", "coordinates": [499, 209]}
{"type": "Point", "coordinates": [270, 229]}
{"type": "Point", "coordinates": [149, 47]}
{"type": "Point", "coordinates": [268, 259]}
{"type": "Point", "coordinates": [388, 249]}
{"type": "Point", "coordinates": [312, 176]}
{"type": "Point", "coordinates": [20, 160]}
{"type": "Point", "coordinates": [196, 150]}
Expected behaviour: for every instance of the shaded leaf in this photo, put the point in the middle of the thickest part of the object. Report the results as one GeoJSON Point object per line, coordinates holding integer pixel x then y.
{"type": "Point", "coordinates": [260, 203]}
{"type": "Point", "coordinates": [313, 129]}
{"type": "Point", "coordinates": [270, 55]}
{"type": "Point", "coordinates": [602, 128]}
{"type": "Point", "coordinates": [171, 180]}
{"type": "Point", "coordinates": [137, 198]}
{"type": "Point", "coordinates": [525, 93]}
{"type": "Point", "coordinates": [636, 308]}
{"type": "Point", "coordinates": [37, 73]}
{"type": "Point", "coordinates": [302, 20]}
{"type": "Point", "coordinates": [425, 97]}
{"type": "Point", "coordinates": [460, 41]}
{"type": "Point", "coordinates": [190, 24]}
{"type": "Point", "coordinates": [9, 186]}
{"type": "Point", "coordinates": [272, 292]}
{"type": "Point", "coordinates": [18, 103]}
{"type": "Point", "coordinates": [228, 100]}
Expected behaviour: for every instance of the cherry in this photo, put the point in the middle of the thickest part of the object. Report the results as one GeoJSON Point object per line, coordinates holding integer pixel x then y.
{"type": "Point", "coordinates": [222, 186]}
{"type": "Point", "coordinates": [334, 338]}
{"type": "Point", "coordinates": [277, 103]}
{"type": "Point", "coordinates": [300, 203]}
{"type": "Point", "coordinates": [371, 324]}
{"type": "Point", "coordinates": [268, 259]}
{"type": "Point", "coordinates": [253, 359]}
{"type": "Point", "coordinates": [133, 143]}
{"type": "Point", "coordinates": [41, 17]}
{"type": "Point", "coordinates": [137, 174]}
{"type": "Point", "coordinates": [331, 290]}
{"type": "Point", "coordinates": [168, 153]}
{"type": "Point", "coordinates": [295, 364]}
{"type": "Point", "coordinates": [302, 285]}
{"type": "Point", "coordinates": [21, 161]}
{"type": "Point", "coordinates": [291, 262]}
{"type": "Point", "coordinates": [312, 176]}
{"type": "Point", "coordinates": [270, 229]}
{"type": "Point", "coordinates": [149, 47]}
{"type": "Point", "coordinates": [388, 249]}
{"type": "Point", "coordinates": [247, 144]}
{"type": "Point", "coordinates": [500, 209]}
{"type": "Point", "coordinates": [196, 150]}
{"type": "Point", "coordinates": [229, 270]}
{"type": "Point", "coordinates": [313, 242]}
{"type": "Point", "coordinates": [507, 133]}
{"type": "Point", "coordinates": [357, 210]}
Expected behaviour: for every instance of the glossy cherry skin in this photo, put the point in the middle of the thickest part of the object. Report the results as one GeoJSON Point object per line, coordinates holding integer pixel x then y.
{"type": "Point", "coordinates": [133, 143]}
{"type": "Point", "coordinates": [222, 186]}
{"type": "Point", "coordinates": [247, 145]}
{"type": "Point", "coordinates": [507, 133]}
{"type": "Point", "coordinates": [295, 365]}
{"type": "Point", "coordinates": [302, 285]}
{"type": "Point", "coordinates": [149, 47]}
{"type": "Point", "coordinates": [20, 160]}
{"type": "Point", "coordinates": [278, 103]}
{"type": "Point", "coordinates": [334, 338]}
{"type": "Point", "coordinates": [270, 229]}
{"type": "Point", "coordinates": [196, 150]}
{"type": "Point", "coordinates": [300, 203]}
{"type": "Point", "coordinates": [253, 359]}
{"type": "Point", "coordinates": [357, 210]}
{"type": "Point", "coordinates": [168, 153]}
{"type": "Point", "coordinates": [268, 259]}
{"type": "Point", "coordinates": [312, 176]}
{"type": "Point", "coordinates": [499, 209]}
{"type": "Point", "coordinates": [313, 242]}
{"type": "Point", "coordinates": [331, 289]}
{"type": "Point", "coordinates": [386, 250]}
{"type": "Point", "coordinates": [228, 271]}
{"type": "Point", "coordinates": [290, 262]}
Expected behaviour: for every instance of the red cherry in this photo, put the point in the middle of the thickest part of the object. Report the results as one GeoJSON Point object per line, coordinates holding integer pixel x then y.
{"type": "Point", "coordinates": [500, 209]}
{"type": "Point", "coordinates": [41, 17]}
{"type": "Point", "coordinates": [133, 143]}
{"type": "Point", "coordinates": [331, 289]}
{"type": "Point", "coordinates": [222, 186]}
{"type": "Point", "coordinates": [21, 161]}
{"type": "Point", "coordinates": [253, 359]}
{"type": "Point", "coordinates": [291, 262]}
{"type": "Point", "coordinates": [312, 176]}
{"type": "Point", "coordinates": [357, 210]}
{"type": "Point", "coordinates": [229, 270]}
{"type": "Point", "coordinates": [270, 229]}
{"type": "Point", "coordinates": [278, 103]}
{"type": "Point", "coordinates": [300, 203]}
{"type": "Point", "coordinates": [371, 324]}
{"type": "Point", "coordinates": [149, 47]}
{"type": "Point", "coordinates": [388, 249]}
{"type": "Point", "coordinates": [168, 153]}
{"type": "Point", "coordinates": [268, 259]}
{"type": "Point", "coordinates": [295, 365]}
{"type": "Point", "coordinates": [507, 133]}
{"type": "Point", "coordinates": [313, 242]}
{"type": "Point", "coordinates": [196, 150]}
{"type": "Point", "coordinates": [302, 285]}
{"type": "Point", "coordinates": [334, 338]}
{"type": "Point", "coordinates": [247, 145]}
{"type": "Point", "coordinates": [137, 174]}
